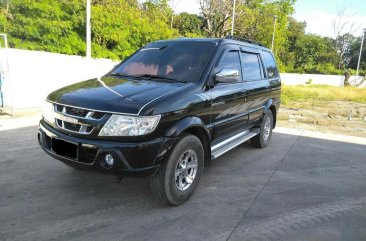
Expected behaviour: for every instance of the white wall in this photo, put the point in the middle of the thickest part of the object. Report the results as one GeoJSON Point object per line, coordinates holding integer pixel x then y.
{"type": "Point", "coordinates": [317, 79]}
{"type": "Point", "coordinates": [34, 74]}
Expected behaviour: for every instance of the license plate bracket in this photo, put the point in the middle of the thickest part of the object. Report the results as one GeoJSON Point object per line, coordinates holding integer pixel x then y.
{"type": "Point", "coordinates": [64, 148]}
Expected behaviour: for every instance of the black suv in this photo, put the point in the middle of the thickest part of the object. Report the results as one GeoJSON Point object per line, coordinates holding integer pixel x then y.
{"type": "Point", "coordinates": [165, 112]}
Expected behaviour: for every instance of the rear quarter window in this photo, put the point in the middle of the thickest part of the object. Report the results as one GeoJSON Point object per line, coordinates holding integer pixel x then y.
{"type": "Point", "coordinates": [272, 70]}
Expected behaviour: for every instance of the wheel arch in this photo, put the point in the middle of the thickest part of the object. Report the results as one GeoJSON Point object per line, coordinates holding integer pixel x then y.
{"type": "Point", "coordinates": [270, 106]}
{"type": "Point", "coordinates": [194, 126]}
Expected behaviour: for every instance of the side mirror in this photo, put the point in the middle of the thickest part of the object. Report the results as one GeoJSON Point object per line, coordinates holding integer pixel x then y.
{"type": "Point", "coordinates": [227, 76]}
{"type": "Point", "coordinates": [270, 74]}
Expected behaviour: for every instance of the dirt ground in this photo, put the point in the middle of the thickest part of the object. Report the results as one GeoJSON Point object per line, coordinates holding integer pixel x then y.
{"type": "Point", "coordinates": [340, 117]}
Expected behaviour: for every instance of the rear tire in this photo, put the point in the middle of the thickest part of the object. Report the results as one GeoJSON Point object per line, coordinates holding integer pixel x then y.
{"type": "Point", "coordinates": [178, 177]}
{"type": "Point", "coordinates": [263, 139]}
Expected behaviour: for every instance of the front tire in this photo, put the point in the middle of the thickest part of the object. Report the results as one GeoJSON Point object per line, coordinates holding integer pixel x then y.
{"type": "Point", "coordinates": [263, 139]}
{"type": "Point", "coordinates": [178, 177]}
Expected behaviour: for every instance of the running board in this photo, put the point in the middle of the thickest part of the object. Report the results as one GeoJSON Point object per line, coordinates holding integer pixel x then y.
{"type": "Point", "coordinates": [232, 142]}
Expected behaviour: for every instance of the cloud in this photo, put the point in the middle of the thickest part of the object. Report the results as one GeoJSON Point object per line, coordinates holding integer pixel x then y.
{"type": "Point", "coordinates": [318, 22]}
{"type": "Point", "coordinates": [179, 6]}
{"type": "Point", "coordinates": [189, 6]}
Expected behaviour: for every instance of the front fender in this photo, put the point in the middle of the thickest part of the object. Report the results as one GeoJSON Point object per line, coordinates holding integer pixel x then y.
{"type": "Point", "coordinates": [185, 124]}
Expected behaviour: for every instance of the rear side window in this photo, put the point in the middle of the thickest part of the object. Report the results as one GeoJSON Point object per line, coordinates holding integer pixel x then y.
{"type": "Point", "coordinates": [271, 66]}
{"type": "Point", "coordinates": [230, 60]}
{"type": "Point", "coordinates": [251, 66]}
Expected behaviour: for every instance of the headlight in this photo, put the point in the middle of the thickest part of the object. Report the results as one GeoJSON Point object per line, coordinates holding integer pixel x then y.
{"type": "Point", "coordinates": [119, 125]}
{"type": "Point", "coordinates": [48, 112]}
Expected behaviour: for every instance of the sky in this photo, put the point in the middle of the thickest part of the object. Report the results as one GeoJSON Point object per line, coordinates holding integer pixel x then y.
{"type": "Point", "coordinates": [318, 14]}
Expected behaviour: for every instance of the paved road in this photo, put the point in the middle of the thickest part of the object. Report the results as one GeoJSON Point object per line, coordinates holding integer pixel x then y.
{"type": "Point", "coordinates": [299, 188]}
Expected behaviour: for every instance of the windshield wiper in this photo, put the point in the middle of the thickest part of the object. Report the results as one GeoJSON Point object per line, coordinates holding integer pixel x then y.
{"type": "Point", "coordinates": [148, 76]}
{"type": "Point", "coordinates": [152, 76]}
{"type": "Point", "coordinates": [121, 75]}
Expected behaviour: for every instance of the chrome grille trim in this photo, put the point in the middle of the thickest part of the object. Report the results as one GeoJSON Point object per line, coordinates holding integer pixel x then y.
{"type": "Point", "coordinates": [82, 128]}
{"type": "Point", "coordinates": [99, 111]}
{"type": "Point", "coordinates": [68, 118]}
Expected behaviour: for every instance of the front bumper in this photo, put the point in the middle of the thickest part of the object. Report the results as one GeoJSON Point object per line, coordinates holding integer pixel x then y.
{"type": "Point", "coordinates": [130, 159]}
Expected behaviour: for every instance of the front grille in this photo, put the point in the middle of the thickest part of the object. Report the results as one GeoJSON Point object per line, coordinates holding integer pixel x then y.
{"type": "Point", "coordinates": [72, 127]}
{"type": "Point", "coordinates": [67, 115]}
{"type": "Point", "coordinates": [79, 112]}
{"type": "Point", "coordinates": [72, 111]}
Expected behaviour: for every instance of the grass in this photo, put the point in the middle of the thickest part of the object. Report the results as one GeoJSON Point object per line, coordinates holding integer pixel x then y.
{"type": "Point", "coordinates": [322, 93]}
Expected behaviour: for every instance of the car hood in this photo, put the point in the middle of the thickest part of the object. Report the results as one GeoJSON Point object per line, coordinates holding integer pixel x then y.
{"type": "Point", "coordinates": [114, 94]}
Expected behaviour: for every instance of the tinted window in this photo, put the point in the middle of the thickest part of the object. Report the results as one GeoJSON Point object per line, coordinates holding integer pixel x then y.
{"type": "Point", "coordinates": [251, 66]}
{"type": "Point", "coordinates": [230, 60]}
{"type": "Point", "coordinates": [272, 70]}
{"type": "Point", "coordinates": [175, 59]}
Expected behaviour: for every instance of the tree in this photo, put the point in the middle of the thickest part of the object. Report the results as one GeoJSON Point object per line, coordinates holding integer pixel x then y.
{"type": "Point", "coordinates": [44, 25]}
{"type": "Point", "coordinates": [255, 21]}
{"type": "Point", "coordinates": [313, 53]}
{"type": "Point", "coordinates": [343, 30]}
{"type": "Point", "coordinates": [355, 51]}
{"type": "Point", "coordinates": [189, 25]}
{"type": "Point", "coordinates": [295, 31]}
{"type": "Point", "coordinates": [216, 14]}
{"type": "Point", "coordinates": [119, 28]}
{"type": "Point", "coordinates": [4, 13]}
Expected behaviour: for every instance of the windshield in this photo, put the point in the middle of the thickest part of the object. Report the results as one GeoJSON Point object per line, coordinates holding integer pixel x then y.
{"type": "Point", "coordinates": [175, 60]}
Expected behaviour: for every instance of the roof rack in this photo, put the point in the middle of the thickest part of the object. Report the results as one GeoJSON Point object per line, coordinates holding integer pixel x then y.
{"type": "Point", "coordinates": [243, 40]}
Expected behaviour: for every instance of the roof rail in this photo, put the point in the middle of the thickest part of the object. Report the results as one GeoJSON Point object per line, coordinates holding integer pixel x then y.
{"type": "Point", "coordinates": [243, 40]}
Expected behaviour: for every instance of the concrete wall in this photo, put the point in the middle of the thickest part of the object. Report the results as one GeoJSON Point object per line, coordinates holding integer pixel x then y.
{"type": "Point", "coordinates": [317, 79]}
{"type": "Point", "coordinates": [34, 74]}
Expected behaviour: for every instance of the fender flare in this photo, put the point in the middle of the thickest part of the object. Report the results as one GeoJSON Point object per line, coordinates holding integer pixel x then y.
{"type": "Point", "coordinates": [268, 105]}
{"type": "Point", "coordinates": [184, 124]}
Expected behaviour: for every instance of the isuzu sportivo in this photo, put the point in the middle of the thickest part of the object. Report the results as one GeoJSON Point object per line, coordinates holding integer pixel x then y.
{"type": "Point", "coordinates": [165, 112]}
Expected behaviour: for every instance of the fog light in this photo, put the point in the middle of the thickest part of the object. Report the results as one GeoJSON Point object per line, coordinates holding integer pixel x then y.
{"type": "Point", "coordinates": [109, 160]}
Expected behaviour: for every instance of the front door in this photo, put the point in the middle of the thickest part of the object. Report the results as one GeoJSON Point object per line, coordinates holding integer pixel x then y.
{"type": "Point", "coordinates": [229, 100]}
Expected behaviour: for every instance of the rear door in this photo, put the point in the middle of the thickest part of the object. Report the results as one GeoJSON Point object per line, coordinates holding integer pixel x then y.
{"type": "Point", "coordinates": [228, 99]}
{"type": "Point", "coordinates": [255, 77]}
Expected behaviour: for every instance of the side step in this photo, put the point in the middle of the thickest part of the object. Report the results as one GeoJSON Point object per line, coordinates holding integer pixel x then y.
{"type": "Point", "coordinates": [232, 142]}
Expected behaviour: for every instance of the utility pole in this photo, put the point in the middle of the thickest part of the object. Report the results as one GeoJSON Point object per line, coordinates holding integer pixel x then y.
{"type": "Point", "coordinates": [274, 31]}
{"type": "Point", "coordinates": [233, 22]}
{"type": "Point", "coordinates": [173, 5]}
{"type": "Point", "coordinates": [88, 30]}
{"type": "Point", "coordinates": [6, 74]}
{"type": "Point", "coordinates": [359, 56]}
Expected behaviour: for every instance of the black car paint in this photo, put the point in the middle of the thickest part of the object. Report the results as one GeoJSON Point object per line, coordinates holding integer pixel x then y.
{"type": "Point", "coordinates": [215, 110]}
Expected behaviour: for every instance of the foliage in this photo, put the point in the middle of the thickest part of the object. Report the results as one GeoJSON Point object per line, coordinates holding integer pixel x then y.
{"type": "Point", "coordinates": [354, 54]}
{"type": "Point", "coordinates": [310, 51]}
{"type": "Point", "coordinates": [256, 21]}
{"type": "Point", "coordinates": [48, 25]}
{"type": "Point", "coordinates": [119, 27]}
{"type": "Point", "coordinates": [216, 15]}
{"type": "Point", "coordinates": [188, 25]}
